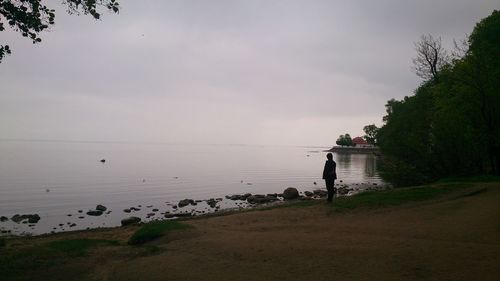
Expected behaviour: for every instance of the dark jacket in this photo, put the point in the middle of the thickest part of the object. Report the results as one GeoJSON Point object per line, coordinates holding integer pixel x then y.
{"type": "Point", "coordinates": [329, 172]}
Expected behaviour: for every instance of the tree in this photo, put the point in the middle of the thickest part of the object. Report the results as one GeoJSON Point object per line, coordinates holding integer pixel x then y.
{"type": "Point", "coordinates": [345, 140]}
{"type": "Point", "coordinates": [30, 17]}
{"type": "Point", "coordinates": [451, 125]}
{"type": "Point", "coordinates": [431, 57]}
{"type": "Point", "coordinates": [370, 133]}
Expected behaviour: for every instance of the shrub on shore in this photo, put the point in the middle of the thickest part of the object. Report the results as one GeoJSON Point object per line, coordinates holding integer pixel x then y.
{"type": "Point", "coordinates": [154, 230]}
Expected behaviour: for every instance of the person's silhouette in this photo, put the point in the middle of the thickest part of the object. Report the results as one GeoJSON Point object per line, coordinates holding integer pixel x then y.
{"type": "Point", "coordinates": [330, 175]}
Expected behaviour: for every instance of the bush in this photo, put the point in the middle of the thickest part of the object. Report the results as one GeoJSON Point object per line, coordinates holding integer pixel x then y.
{"type": "Point", "coordinates": [402, 174]}
{"type": "Point", "coordinates": [154, 230]}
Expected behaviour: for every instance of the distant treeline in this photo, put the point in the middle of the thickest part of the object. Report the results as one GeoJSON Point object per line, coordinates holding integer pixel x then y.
{"type": "Point", "coordinates": [451, 125]}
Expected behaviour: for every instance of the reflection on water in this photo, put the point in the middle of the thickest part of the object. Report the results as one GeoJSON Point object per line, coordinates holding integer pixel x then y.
{"type": "Point", "coordinates": [357, 167]}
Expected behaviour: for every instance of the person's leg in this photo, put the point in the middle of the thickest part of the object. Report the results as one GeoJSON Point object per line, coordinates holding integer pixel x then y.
{"type": "Point", "coordinates": [329, 187]}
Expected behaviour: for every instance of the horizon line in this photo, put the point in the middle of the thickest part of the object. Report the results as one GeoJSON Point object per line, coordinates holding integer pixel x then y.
{"type": "Point", "coordinates": [149, 142]}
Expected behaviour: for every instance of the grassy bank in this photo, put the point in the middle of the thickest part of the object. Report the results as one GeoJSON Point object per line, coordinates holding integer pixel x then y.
{"type": "Point", "coordinates": [154, 230]}
{"type": "Point", "coordinates": [395, 197]}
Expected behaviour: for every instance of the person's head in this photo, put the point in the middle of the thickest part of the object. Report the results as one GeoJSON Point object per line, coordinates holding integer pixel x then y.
{"type": "Point", "coordinates": [329, 156]}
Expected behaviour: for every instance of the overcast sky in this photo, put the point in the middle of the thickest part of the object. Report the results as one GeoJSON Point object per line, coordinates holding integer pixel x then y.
{"type": "Point", "coordinates": [221, 71]}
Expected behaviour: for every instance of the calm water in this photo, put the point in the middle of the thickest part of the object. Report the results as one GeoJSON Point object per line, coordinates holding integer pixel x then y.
{"type": "Point", "coordinates": [56, 179]}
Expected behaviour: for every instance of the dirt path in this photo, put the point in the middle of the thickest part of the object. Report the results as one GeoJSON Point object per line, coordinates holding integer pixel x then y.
{"type": "Point", "coordinates": [455, 239]}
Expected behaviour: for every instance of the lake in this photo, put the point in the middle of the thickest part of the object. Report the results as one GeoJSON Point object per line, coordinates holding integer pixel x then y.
{"type": "Point", "coordinates": [58, 179]}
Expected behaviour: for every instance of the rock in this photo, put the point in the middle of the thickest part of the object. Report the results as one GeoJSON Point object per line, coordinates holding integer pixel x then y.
{"type": "Point", "coordinates": [2, 218]}
{"type": "Point", "coordinates": [169, 215]}
{"type": "Point", "coordinates": [260, 199]}
{"type": "Point", "coordinates": [320, 193]}
{"type": "Point", "coordinates": [185, 202]}
{"type": "Point", "coordinates": [290, 193]}
{"type": "Point", "coordinates": [69, 215]}
{"type": "Point", "coordinates": [94, 213]}
{"type": "Point", "coordinates": [155, 210]}
{"type": "Point", "coordinates": [31, 218]}
{"type": "Point", "coordinates": [81, 217]}
{"type": "Point", "coordinates": [127, 210]}
{"type": "Point", "coordinates": [308, 193]}
{"type": "Point", "coordinates": [150, 214]}
{"type": "Point", "coordinates": [101, 208]}
{"type": "Point", "coordinates": [16, 218]}
{"type": "Point", "coordinates": [212, 202]}
{"type": "Point", "coordinates": [182, 215]}
{"type": "Point", "coordinates": [130, 220]}
{"type": "Point", "coordinates": [135, 209]}
{"type": "Point", "coordinates": [72, 225]}
{"type": "Point", "coordinates": [343, 191]}
{"type": "Point", "coordinates": [233, 197]}
{"type": "Point", "coordinates": [80, 211]}
{"type": "Point", "coordinates": [272, 195]}
{"type": "Point", "coordinates": [242, 197]}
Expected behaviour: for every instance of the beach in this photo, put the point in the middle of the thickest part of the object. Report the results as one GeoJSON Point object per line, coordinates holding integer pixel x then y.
{"type": "Point", "coordinates": [453, 236]}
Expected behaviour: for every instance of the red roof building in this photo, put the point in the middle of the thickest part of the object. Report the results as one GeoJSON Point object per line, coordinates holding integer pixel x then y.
{"type": "Point", "coordinates": [359, 141]}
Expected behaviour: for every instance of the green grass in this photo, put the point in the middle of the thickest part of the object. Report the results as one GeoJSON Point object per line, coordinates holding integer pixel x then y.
{"type": "Point", "coordinates": [154, 230]}
{"type": "Point", "coordinates": [79, 247]}
{"type": "Point", "coordinates": [395, 197]}
{"type": "Point", "coordinates": [15, 263]}
{"type": "Point", "coordinates": [482, 178]}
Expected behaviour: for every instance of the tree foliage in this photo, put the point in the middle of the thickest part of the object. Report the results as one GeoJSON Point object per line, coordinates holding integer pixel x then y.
{"type": "Point", "coordinates": [451, 125]}
{"type": "Point", "coordinates": [31, 17]}
{"type": "Point", "coordinates": [370, 134]}
{"type": "Point", "coordinates": [345, 140]}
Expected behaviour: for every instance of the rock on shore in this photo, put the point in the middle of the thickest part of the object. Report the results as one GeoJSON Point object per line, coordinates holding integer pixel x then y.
{"type": "Point", "coordinates": [101, 208]}
{"type": "Point", "coordinates": [130, 220]}
{"type": "Point", "coordinates": [94, 213]}
{"type": "Point", "coordinates": [31, 218]}
{"type": "Point", "coordinates": [260, 199]}
{"type": "Point", "coordinates": [290, 193]}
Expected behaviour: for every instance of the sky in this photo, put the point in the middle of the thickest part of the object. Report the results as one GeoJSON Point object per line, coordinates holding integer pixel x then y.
{"type": "Point", "coordinates": [264, 72]}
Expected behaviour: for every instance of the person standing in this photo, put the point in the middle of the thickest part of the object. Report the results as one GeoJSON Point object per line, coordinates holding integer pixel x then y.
{"type": "Point", "coordinates": [330, 175]}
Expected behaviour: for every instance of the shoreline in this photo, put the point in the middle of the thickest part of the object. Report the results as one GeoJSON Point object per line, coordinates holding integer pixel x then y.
{"type": "Point", "coordinates": [348, 149]}
{"type": "Point", "coordinates": [19, 225]}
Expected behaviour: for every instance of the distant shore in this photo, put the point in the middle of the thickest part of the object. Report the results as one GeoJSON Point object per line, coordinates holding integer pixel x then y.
{"type": "Point", "coordinates": [353, 149]}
